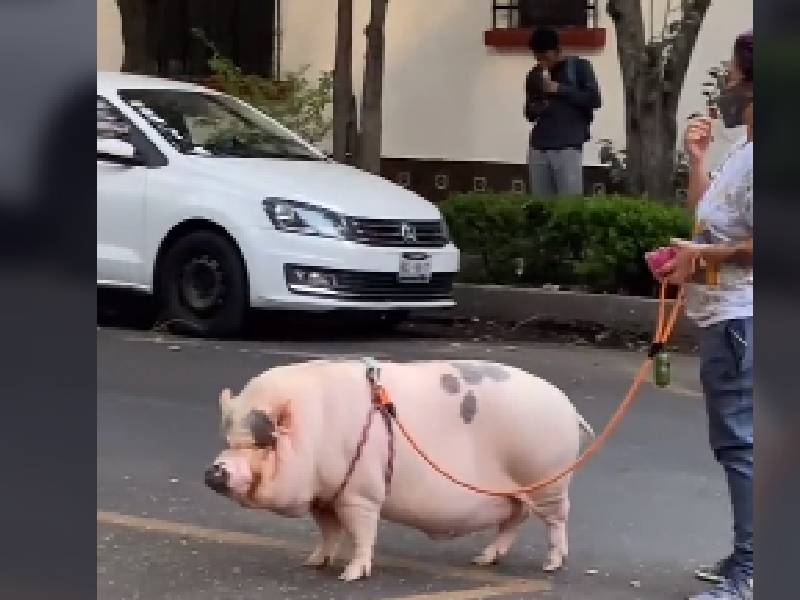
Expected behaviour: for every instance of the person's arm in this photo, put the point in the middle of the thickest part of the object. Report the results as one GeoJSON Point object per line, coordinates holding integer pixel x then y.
{"type": "Point", "coordinates": [587, 96]}
{"type": "Point", "coordinates": [685, 265]}
{"type": "Point", "coordinates": [697, 142]}
{"type": "Point", "coordinates": [535, 103]}
{"type": "Point", "coordinates": [738, 253]}
{"type": "Point", "coordinates": [698, 181]}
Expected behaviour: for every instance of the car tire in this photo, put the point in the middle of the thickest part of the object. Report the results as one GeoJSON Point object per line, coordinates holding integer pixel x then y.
{"type": "Point", "coordinates": [203, 286]}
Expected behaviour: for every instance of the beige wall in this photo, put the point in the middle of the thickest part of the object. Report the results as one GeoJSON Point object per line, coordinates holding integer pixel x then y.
{"type": "Point", "coordinates": [448, 96]}
{"type": "Point", "coordinates": [109, 36]}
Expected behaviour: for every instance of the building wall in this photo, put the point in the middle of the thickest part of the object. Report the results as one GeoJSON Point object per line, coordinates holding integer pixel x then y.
{"type": "Point", "coordinates": [109, 36]}
{"type": "Point", "coordinates": [449, 96]}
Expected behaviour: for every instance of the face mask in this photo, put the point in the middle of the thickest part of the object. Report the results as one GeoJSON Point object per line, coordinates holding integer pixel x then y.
{"type": "Point", "coordinates": [732, 104]}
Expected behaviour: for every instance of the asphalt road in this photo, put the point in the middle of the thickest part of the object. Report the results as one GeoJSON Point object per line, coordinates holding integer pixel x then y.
{"type": "Point", "coordinates": [645, 512]}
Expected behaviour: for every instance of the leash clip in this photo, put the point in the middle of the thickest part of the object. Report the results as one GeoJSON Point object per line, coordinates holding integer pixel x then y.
{"type": "Point", "coordinates": [379, 395]}
{"type": "Point", "coordinates": [373, 370]}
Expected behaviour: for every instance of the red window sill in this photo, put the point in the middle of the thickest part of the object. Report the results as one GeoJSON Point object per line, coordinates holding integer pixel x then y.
{"type": "Point", "coordinates": [575, 38]}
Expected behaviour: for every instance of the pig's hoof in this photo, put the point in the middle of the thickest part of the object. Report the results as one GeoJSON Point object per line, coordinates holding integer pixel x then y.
{"type": "Point", "coordinates": [551, 565]}
{"type": "Point", "coordinates": [318, 561]}
{"type": "Point", "coordinates": [487, 558]}
{"type": "Point", "coordinates": [355, 571]}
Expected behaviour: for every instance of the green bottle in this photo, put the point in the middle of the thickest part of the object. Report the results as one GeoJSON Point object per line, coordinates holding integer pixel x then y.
{"type": "Point", "coordinates": [661, 369]}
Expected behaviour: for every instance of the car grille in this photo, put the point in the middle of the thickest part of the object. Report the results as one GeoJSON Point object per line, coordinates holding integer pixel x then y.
{"type": "Point", "coordinates": [377, 287]}
{"type": "Point", "coordinates": [398, 233]}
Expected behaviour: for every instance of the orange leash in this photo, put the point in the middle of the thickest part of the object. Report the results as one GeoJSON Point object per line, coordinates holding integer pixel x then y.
{"type": "Point", "coordinates": [664, 328]}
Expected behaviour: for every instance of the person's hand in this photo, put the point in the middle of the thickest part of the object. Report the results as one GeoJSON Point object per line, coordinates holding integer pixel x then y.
{"type": "Point", "coordinates": [684, 263]}
{"type": "Point", "coordinates": [698, 138]}
{"type": "Point", "coordinates": [550, 86]}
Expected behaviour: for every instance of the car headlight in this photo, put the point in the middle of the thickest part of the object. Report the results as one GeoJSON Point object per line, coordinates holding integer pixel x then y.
{"type": "Point", "coordinates": [303, 219]}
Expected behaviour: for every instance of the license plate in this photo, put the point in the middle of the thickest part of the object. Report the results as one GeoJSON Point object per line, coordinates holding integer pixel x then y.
{"type": "Point", "coordinates": [415, 268]}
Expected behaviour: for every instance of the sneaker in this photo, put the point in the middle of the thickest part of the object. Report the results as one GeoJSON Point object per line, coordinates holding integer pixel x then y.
{"type": "Point", "coordinates": [715, 573]}
{"type": "Point", "coordinates": [729, 589]}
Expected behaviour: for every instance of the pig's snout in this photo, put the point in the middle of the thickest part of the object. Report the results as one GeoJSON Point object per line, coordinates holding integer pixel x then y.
{"type": "Point", "coordinates": [217, 478]}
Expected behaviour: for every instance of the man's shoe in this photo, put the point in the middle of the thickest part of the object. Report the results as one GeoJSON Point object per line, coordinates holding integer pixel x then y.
{"type": "Point", "coordinates": [729, 589]}
{"type": "Point", "coordinates": [716, 573]}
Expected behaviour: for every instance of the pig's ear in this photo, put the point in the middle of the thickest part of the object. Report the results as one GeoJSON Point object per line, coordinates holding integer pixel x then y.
{"type": "Point", "coordinates": [284, 421]}
{"type": "Point", "coordinates": [225, 398]}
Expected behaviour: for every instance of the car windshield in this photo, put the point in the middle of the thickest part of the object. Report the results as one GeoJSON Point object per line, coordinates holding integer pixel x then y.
{"type": "Point", "coordinates": [214, 125]}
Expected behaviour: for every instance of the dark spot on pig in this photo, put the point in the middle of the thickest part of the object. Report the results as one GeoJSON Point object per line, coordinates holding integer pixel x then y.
{"type": "Point", "coordinates": [469, 407]}
{"type": "Point", "coordinates": [496, 372]}
{"type": "Point", "coordinates": [471, 373]}
{"type": "Point", "coordinates": [450, 383]}
{"type": "Point", "coordinates": [261, 428]}
{"type": "Point", "coordinates": [474, 373]}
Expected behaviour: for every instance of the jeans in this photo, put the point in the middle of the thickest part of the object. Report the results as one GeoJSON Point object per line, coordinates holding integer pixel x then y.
{"type": "Point", "coordinates": [726, 351]}
{"type": "Point", "coordinates": [556, 172]}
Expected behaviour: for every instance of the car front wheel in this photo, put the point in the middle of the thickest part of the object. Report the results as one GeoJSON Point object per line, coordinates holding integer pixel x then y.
{"type": "Point", "coordinates": [203, 285]}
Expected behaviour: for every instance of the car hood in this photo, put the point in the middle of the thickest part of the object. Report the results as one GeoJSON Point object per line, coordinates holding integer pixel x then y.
{"type": "Point", "coordinates": [331, 185]}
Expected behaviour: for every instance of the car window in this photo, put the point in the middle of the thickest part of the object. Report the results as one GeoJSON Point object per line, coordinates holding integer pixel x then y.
{"type": "Point", "coordinates": [214, 125]}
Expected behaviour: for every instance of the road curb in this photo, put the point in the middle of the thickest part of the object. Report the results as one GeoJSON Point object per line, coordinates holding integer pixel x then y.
{"type": "Point", "coordinates": [505, 304]}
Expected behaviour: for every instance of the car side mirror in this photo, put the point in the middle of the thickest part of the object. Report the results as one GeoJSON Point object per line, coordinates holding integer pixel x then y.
{"type": "Point", "coordinates": [117, 151]}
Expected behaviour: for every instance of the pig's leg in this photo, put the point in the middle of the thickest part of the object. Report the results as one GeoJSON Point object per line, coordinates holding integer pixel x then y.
{"type": "Point", "coordinates": [361, 522]}
{"type": "Point", "coordinates": [505, 536]}
{"type": "Point", "coordinates": [331, 531]}
{"type": "Point", "coordinates": [554, 513]}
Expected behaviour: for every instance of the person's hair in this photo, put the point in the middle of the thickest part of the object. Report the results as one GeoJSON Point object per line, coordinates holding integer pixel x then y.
{"type": "Point", "coordinates": [544, 39]}
{"type": "Point", "coordinates": [743, 55]}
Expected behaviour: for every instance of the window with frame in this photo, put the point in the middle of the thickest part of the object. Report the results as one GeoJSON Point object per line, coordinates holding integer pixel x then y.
{"type": "Point", "coordinates": [160, 39]}
{"type": "Point", "coordinates": [529, 14]}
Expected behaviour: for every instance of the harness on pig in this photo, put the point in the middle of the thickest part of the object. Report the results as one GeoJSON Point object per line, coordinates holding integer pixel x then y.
{"type": "Point", "coordinates": [382, 403]}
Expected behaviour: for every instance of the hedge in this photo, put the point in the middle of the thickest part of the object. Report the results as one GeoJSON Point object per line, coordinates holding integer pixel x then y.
{"type": "Point", "coordinates": [596, 244]}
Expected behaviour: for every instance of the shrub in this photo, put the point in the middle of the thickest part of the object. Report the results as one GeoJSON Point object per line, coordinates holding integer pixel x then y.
{"type": "Point", "coordinates": [595, 243]}
{"type": "Point", "coordinates": [295, 102]}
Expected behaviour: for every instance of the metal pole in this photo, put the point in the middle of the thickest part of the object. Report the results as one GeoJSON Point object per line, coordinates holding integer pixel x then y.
{"type": "Point", "coordinates": [278, 40]}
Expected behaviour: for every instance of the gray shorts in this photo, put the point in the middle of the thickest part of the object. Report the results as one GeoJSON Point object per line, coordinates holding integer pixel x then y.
{"type": "Point", "coordinates": [556, 172]}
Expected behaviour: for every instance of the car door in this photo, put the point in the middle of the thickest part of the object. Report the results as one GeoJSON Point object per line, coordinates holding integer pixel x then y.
{"type": "Point", "coordinates": [121, 189]}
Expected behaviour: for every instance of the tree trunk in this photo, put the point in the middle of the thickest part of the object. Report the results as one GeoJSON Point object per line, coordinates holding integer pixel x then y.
{"type": "Point", "coordinates": [371, 102]}
{"type": "Point", "coordinates": [653, 88]}
{"type": "Point", "coordinates": [343, 80]}
{"type": "Point", "coordinates": [133, 15]}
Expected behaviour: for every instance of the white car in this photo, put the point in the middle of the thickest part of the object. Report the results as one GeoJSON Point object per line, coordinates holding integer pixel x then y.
{"type": "Point", "coordinates": [213, 207]}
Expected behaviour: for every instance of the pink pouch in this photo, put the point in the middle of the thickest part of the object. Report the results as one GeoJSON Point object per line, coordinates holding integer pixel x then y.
{"type": "Point", "coordinates": [658, 258]}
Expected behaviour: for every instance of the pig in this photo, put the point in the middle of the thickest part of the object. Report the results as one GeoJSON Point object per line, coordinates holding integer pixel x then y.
{"type": "Point", "coordinates": [292, 432]}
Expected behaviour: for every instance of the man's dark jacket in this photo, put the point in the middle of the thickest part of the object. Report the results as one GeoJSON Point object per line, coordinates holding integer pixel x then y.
{"type": "Point", "coordinates": [562, 120]}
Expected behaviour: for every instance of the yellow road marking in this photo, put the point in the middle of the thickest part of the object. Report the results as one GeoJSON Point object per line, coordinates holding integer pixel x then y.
{"type": "Point", "coordinates": [521, 587]}
{"type": "Point", "coordinates": [249, 539]}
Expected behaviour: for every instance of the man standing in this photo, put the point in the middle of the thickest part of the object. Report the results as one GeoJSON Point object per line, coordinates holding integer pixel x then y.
{"type": "Point", "coordinates": [561, 95]}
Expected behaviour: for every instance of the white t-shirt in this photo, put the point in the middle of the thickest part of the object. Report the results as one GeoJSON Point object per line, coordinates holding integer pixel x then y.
{"type": "Point", "coordinates": [725, 214]}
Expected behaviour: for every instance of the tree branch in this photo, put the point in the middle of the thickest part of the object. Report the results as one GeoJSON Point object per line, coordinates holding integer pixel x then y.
{"type": "Point", "coordinates": [694, 13]}
{"type": "Point", "coordinates": [629, 26]}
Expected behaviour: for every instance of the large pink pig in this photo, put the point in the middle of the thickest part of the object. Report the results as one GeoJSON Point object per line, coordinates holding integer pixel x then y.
{"type": "Point", "coordinates": [293, 431]}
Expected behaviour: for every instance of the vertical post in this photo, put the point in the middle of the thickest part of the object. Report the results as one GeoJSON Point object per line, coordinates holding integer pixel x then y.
{"type": "Point", "coordinates": [369, 146]}
{"type": "Point", "coordinates": [343, 81]}
{"type": "Point", "coordinates": [278, 40]}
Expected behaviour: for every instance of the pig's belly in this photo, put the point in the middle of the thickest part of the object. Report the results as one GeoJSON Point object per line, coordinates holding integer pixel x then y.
{"type": "Point", "coordinates": [423, 499]}
{"type": "Point", "coordinates": [446, 515]}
